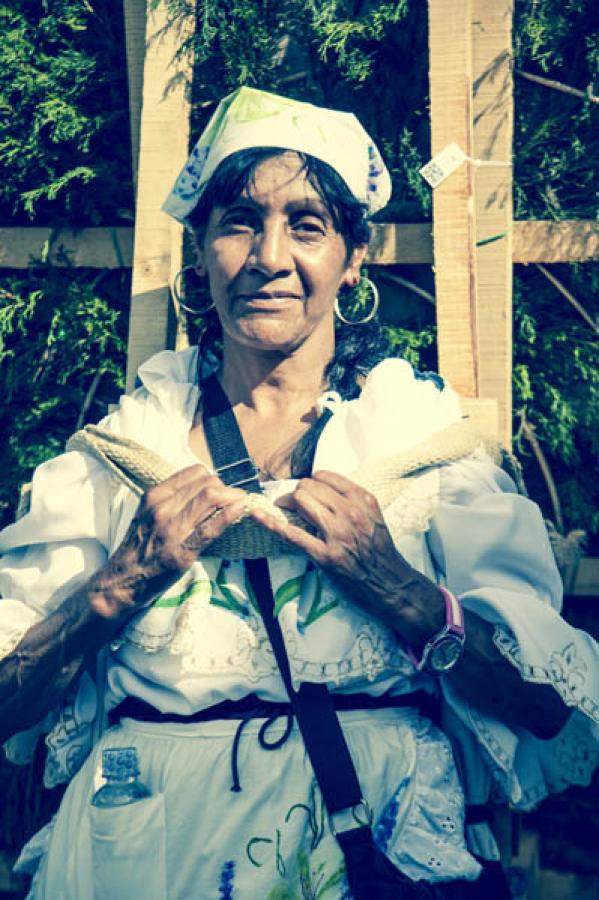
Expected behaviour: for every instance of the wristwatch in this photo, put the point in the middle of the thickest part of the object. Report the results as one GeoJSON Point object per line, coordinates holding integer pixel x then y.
{"type": "Point", "coordinates": [445, 648]}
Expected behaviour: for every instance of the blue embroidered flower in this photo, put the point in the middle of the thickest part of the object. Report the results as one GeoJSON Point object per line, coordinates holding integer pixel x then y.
{"type": "Point", "coordinates": [227, 875]}
{"type": "Point", "coordinates": [386, 824]}
{"type": "Point", "coordinates": [187, 183]}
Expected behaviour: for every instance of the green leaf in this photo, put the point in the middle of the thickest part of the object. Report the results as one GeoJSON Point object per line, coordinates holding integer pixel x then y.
{"type": "Point", "coordinates": [196, 587]}
{"type": "Point", "coordinates": [289, 590]}
{"type": "Point", "coordinates": [318, 608]}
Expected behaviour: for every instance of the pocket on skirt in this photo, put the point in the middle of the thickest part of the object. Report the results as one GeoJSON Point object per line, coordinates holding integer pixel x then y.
{"type": "Point", "coordinates": [129, 850]}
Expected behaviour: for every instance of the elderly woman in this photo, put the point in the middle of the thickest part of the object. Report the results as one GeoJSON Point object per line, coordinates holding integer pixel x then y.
{"type": "Point", "coordinates": [448, 593]}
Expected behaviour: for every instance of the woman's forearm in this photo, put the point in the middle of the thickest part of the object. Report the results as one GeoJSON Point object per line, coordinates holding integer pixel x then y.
{"type": "Point", "coordinates": [487, 680]}
{"type": "Point", "coordinates": [175, 521]}
{"type": "Point", "coordinates": [483, 676]}
{"type": "Point", "coordinates": [37, 674]}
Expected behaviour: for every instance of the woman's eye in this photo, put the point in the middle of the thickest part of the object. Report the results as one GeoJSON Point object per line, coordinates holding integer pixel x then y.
{"type": "Point", "coordinates": [309, 226]}
{"type": "Point", "coordinates": [238, 220]}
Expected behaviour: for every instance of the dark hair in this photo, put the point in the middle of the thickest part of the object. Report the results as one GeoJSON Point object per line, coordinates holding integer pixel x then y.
{"type": "Point", "coordinates": [237, 171]}
{"type": "Point", "coordinates": [357, 348]}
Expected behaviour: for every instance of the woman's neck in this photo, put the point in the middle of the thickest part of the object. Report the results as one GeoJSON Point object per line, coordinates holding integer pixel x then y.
{"type": "Point", "coordinates": [269, 383]}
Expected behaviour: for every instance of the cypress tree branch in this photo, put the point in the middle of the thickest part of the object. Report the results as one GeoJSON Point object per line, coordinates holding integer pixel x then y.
{"type": "Point", "coordinates": [558, 85]}
{"type": "Point", "coordinates": [569, 297]}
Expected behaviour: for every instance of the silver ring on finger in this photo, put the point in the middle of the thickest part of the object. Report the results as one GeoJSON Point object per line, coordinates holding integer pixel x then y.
{"type": "Point", "coordinates": [215, 512]}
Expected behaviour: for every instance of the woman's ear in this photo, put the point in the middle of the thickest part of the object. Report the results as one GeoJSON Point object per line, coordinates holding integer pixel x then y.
{"type": "Point", "coordinates": [198, 262]}
{"type": "Point", "coordinates": [352, 272]}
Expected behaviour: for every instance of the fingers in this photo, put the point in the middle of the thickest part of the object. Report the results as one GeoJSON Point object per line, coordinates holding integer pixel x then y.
{"type": "Point", "coordinates": [310, 544]}
{"type": "Point", "coordinates": [192, 493]}
{"type": "Point", "coordinates": [212, 509]}
{"type": "Point", "coordinates": [179, 481]}
{"type": "Point", "coordinates": [316, 504]}
{"type": "Point", "coordinates": [215, 523]}
{"type": "Point", "coordinates": [344, 486]}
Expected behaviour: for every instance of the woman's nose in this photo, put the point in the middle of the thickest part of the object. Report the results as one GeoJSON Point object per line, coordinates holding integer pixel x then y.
{"type": "Point", "coordinates": [271, 251]}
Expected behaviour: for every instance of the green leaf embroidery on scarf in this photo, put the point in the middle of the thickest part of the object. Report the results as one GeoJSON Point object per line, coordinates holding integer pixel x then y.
{"type": "Point", "coordinates": [227, 598]}
{"type": "Point", "coordinates": [303, 875]}
{"type": "Point", "coordinates": [249, 846]}
{"type": "Point", "coordinates": [289, 590]}
{"type": "Point", "coordinates": [196, 587]}
{"type": "Point", "coordinates": [318, 607]}
{"type": "Point", "coordinates": [315, 813]}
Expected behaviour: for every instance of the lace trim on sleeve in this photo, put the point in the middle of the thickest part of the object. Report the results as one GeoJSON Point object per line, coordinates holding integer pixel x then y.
{"type": "Point", "coordinates": [565, 670]}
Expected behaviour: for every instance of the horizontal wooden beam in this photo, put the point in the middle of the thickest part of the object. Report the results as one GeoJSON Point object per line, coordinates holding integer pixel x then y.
{"type": "Point", "coordinates": [533, 241]}
{"type": "Point", "coordinates": [554, 242]}
{"type": "Point", "coordinates": [93, 248]}
{"type": "Point", "coordinates": [401, 244]}
{"type": "Point", "coordinates": [395, 244]}
{"type": "Point", "coordinates": [586, 583]}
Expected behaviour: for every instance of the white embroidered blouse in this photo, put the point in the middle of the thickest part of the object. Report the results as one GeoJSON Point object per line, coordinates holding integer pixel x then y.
{"type": "Point", "coordinates": [203, 641]}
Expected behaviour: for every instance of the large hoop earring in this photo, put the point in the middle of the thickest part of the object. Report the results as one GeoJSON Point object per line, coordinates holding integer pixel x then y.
{"type": "Point", "coordinates": [177, 294]}
{"type": "Point", "coordinates": [370, 314]}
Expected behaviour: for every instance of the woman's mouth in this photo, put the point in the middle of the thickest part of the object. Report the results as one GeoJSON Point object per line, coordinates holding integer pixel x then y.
{"type": "Point", "coordinates": [267, 299]}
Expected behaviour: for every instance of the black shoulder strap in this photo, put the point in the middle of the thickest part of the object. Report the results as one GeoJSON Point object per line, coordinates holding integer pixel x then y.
{"type": "Point", "coordinates": [312, 704]}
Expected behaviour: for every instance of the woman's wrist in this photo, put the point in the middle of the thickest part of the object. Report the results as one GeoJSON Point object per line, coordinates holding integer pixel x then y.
{"type": "Point", "coordinates": [417, 610]}
{"type": "Point", "coordinates": [118, 589]}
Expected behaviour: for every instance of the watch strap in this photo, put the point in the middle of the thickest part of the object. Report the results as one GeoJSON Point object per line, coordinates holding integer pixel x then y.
{"type": "Point", "coordinates": [454, 626]}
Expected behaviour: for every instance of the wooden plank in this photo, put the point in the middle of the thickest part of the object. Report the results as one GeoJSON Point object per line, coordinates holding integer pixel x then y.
{"type": "Point", "coordinates": [163, 148]}
{"type": "Point", "coordinates": [483, 414]}
{"type": "Point", "coordinates": [93, 248]}
{"type": "Point", "coordinates": [554, 242]}
{"type": "Point", "coordinates": [492, 107]}
{"type": "Point", "coordinates": [532, 241]}
{"type": "Point", "coordinates": [586, 583]}
{"type": "Point", "coordinates": [393, 244]}
{"type": "Point", "coordinates": [526, 865]}
{"type": "Point", "coordinates": [135, 37]}
{"type": "Point", "coordinates": [10, 884]}
{"type": "Point", "coordinates": [555, 885]}
{"type": "Point", "coordinates": [450, 47]}
{"type": "Point", "coordinates": [408, 244]}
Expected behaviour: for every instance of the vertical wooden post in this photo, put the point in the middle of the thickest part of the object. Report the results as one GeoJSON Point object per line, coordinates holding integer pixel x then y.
{"type": "Point", "coordinates": [163, 147]}
{"type": "Point", "coordinates": [450, 46]}
{"type": "Point", "coordinates": [135, 37]}
{"type": "Point", "coordinates": [493, 134]}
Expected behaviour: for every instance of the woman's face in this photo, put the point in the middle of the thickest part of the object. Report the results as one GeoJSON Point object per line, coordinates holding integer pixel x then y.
{"type": "Point", "coordinates": [274, 260]}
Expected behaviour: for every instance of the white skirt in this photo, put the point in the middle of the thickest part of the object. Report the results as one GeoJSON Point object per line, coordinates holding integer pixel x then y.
{"type": "Point", "coordinates": [196, 839]}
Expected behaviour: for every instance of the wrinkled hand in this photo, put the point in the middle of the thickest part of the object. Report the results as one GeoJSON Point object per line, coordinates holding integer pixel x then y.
{"type": "Point", "coordinates": [354, 546]}
{"type": "Point", "coordinates": [175, 521]}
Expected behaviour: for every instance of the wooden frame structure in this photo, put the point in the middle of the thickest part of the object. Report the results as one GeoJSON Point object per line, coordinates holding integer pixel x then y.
{"type": "Point", "coordinates": [472, 242]}
{"type": "Point", "coordinates": [471, 105]}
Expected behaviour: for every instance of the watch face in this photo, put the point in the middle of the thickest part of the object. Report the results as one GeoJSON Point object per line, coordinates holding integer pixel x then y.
{"type": "Point", "coordinates": [445, 654]}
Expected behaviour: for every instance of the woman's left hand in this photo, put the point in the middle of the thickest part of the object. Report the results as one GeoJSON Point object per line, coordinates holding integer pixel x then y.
{"type": "Point", "coordinates": [355, 547]}
{"type": "Point", "coordinates": [353, 544]}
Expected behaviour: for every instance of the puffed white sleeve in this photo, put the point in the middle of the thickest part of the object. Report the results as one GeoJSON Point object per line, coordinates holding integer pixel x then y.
{"type": "Point", "coordinates": [490, 548]}
{"type": "Point", "coordinates": [52, 550]}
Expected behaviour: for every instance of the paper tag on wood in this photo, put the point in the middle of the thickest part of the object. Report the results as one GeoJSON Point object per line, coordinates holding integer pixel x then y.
{"type": "Point", "coordinates": [443, 164]}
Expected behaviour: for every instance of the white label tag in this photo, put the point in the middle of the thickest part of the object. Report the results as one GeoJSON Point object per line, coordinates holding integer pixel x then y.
{"type": "Point", "coordinates": [443, 164]}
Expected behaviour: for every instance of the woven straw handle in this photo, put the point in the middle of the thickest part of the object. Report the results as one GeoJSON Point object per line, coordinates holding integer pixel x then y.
{"type": "Point", "coordinates": [140, 468]}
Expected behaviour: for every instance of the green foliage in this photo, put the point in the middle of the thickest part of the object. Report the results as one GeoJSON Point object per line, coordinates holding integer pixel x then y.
{"type": "Point", "coordinates": [556, 388]}
{"type": "Point", "coordinates": [347, 55]}
{"type": "Point", "coordinates": [64, 130]}
{"type": "Point", "coordinates": [556, 135]}
{"type": "Point", "coordinates": [62, 351]}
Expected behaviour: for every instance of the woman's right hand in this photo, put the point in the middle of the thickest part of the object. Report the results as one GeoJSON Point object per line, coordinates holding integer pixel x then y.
{"type": "Point", "coordinates": [175, 521]}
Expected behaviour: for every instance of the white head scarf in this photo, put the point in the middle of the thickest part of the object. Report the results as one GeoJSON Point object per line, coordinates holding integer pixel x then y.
{"type": "Point", "coordinates": [252, 118]}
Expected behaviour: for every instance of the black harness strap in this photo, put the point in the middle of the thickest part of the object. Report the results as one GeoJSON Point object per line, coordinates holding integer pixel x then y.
{"type": "Point", "coordinates": [312, 704]}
